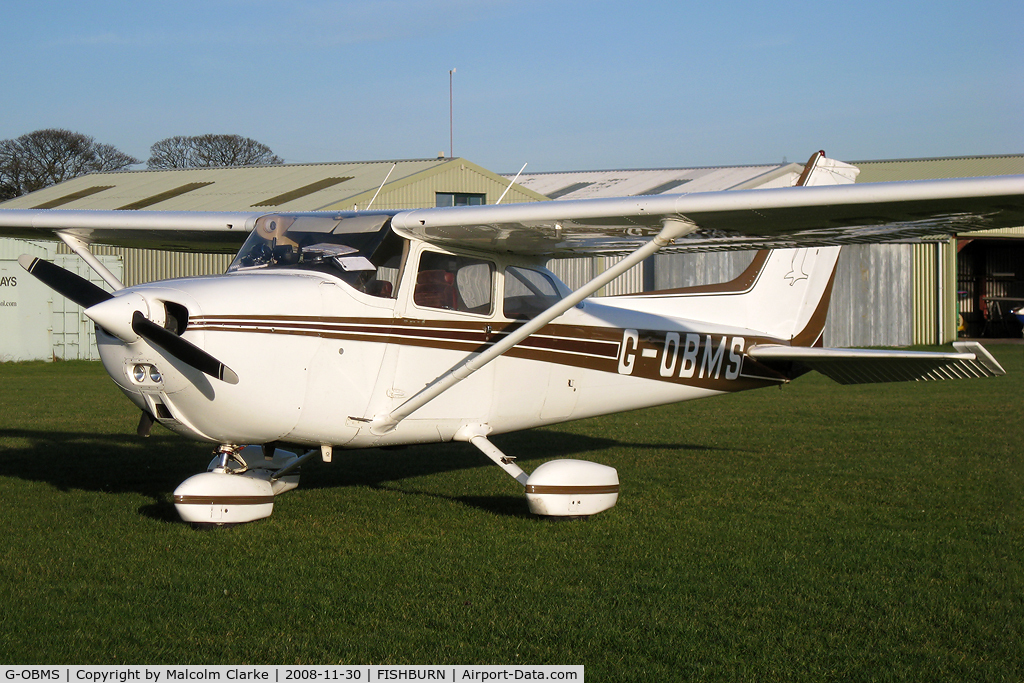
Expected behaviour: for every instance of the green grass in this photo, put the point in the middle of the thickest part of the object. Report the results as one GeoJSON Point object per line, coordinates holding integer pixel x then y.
{"type": "Point", "coordinates": [812, 533]}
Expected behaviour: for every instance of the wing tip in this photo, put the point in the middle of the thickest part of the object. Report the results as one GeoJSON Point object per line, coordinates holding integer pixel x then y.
{"type": "Point", "coordinates": [982, 356]}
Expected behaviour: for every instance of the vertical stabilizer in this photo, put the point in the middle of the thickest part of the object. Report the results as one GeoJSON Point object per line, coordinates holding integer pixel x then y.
{"type": "Point", "coordinates": [784, 293]}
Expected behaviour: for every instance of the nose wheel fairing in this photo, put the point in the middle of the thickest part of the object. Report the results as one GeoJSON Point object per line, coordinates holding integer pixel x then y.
{"type": "Point", "coordinates": [240, 486]}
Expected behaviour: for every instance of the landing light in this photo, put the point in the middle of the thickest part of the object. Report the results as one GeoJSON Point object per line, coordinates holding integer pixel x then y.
{"type": "Point", "coordinates": [142, 371]}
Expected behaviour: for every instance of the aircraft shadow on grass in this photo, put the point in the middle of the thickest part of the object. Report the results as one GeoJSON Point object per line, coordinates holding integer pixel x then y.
{"type": "Point", "coordinates": [153, 467]}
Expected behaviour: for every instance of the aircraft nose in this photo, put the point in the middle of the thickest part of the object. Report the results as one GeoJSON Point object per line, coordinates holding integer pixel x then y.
{"type": "Point", "coordinates": [115, 315]}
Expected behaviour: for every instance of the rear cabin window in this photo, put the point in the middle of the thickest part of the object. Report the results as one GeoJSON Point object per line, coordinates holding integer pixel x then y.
{"type": "Point", "coordinates": [528, 292]}
{"type": "Point", "coordinates": [454, 283]}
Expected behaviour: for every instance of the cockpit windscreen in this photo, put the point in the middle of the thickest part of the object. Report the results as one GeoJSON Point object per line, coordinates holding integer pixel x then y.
{"type": "Point", "coordinates": [352, 248]}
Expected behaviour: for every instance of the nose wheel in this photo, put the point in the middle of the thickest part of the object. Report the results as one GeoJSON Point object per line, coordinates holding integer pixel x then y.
{"type": "Point", "coordinates": [239, 486]}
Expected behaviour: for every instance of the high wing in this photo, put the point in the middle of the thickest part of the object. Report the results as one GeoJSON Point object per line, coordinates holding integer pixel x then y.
{"type": "Point", "coordinates": [741, 219]}
{"type": "Point", "coordinates": [726, 220]}
{"type": "Point", "coordinates": [200, 231]}
{"type": "Point", "coordinates": [197, 231]}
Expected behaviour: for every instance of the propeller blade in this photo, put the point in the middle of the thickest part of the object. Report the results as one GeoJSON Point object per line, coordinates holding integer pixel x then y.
{"type": "Point", "coordinates": [64, 282]}
{"type": "Point", "coordinates": [185, 351]}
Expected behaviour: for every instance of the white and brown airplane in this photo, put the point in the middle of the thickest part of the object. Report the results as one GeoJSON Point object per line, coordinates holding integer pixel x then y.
{"type": "Point", "coordinates": [366, 329]}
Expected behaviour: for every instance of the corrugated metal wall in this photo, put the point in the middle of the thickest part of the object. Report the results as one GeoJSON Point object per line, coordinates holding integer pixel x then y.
{"type": "Point", "coordinates": [872, 297]}
{"type": "Point", "coordinates": [11, 249]}
{"type": "Point", "coordinates": [691, 270]}
{"type": "Point", "coordinates": [45, 325]}
{"type": "Point", "coordinates": [576, 272]}
{"type": "Point", "coordinates": [149, 265]}
{"type": "Point", "coordinates": [934, 292]}
{"type": "Point", "coordinates": [73, 332]}
{"type": "Point", "coordinates": [871, 303]}
{"type": "Point", "coordinates": [25, 310]}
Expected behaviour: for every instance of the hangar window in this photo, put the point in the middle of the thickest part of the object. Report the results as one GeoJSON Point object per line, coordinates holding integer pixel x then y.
{"type": "Point", "coordinates": [68, 198]}
{"type": "Point", "coordinates": [568, 189]}
{"type": "Point", "coordinates": [163, 196]}
{"type": "Point", "coordinates": [303, 191]}
{"type": "Point", "coordinates": [459, 199]}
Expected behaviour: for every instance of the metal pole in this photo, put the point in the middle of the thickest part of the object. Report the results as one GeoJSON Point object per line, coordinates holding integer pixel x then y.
{"type": "Point", "coordinates": [451, 118]}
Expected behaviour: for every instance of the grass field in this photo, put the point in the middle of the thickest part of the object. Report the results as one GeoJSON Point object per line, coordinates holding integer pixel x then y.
{"type": "Point", "coordinates": [812, 533]}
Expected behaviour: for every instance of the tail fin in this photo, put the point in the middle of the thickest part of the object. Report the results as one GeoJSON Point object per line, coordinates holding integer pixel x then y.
{"type": "Point", "coordinates": [784, 293]}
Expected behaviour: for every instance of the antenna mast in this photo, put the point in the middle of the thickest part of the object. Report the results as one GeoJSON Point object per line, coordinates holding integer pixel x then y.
{"type": "Point", "coordinates": [451, 117]}
{"type": "Point", "coordinates": [381, 187]}
{"type": "Point", "coordinates": [511, 184]}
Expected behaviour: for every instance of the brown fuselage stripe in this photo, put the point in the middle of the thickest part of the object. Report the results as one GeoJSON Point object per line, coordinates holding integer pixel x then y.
{"type": "Point", "coordinates": [223, 500]}
{"type": "Point", "coordinates": [433, 337]}
{"type": "Point", "coordinates": [592, 348]}
{"type": "Point", "coordinates": [572, 490]}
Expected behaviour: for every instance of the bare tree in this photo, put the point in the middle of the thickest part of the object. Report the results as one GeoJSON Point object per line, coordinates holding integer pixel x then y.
{"type": "Point", "coordinates": [208, 151]}
{"type": "Point", "coordinates": [52, 155]}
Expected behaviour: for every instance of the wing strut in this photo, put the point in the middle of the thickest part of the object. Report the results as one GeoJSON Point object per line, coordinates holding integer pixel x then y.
{"type": "Point", "coordinates": [672, 228]}
{"type": "Point", "coordinates": [81, 247]}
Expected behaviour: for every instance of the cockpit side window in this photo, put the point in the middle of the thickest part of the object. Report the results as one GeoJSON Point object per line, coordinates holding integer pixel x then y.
{"type": "Point", "coordinates": [454, 283]}
{"type": "Point", "coordinates": [387, 258]}
{"type": "Point", "coordinates": [527, 293]}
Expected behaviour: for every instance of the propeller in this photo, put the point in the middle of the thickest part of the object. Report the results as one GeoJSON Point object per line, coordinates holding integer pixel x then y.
{"type": "Point", "coordinates": [111, 316]}
{"type": "Point", "coordinates": [64, 282]}
{"type": "Point", "coordinates": [185, 351]}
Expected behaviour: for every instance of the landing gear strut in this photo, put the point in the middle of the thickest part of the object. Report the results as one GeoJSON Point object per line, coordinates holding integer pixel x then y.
{"type": "Point", "coordinates": [557, 488]}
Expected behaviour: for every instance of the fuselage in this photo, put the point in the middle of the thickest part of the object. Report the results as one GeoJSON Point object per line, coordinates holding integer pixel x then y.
{"type": "Point", "coordinates": [319, 353]}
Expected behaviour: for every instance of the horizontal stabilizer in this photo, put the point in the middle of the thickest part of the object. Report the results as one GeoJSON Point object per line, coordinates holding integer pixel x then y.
{"type": "Point", "coordinates": [863, 366]}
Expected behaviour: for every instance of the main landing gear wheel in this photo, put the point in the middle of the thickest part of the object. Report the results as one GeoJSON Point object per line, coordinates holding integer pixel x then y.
{"type": "Point", "coordinates": [558, 489]}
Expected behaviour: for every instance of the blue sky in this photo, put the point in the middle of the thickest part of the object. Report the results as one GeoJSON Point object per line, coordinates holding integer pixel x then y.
{"type": "Point", "coordinates": [561, 85]}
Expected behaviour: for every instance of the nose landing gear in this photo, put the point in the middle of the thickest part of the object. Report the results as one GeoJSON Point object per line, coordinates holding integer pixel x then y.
{"type": "Point", "coordinates": [239, 486]}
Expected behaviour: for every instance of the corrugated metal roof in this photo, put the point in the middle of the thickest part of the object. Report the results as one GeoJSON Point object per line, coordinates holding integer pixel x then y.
{"type": "Point", "coordinates": [625, 182]}
{"type": "Point", "coordinates": [631, 182]}
{"type": "Point", "coordinates": [292, 187]}
{"type": "Point", "coordinates": [939, 167]}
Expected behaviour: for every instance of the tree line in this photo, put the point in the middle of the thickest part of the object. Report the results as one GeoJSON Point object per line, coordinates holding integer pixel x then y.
{"type": "Point", "coordinates": [52, 155]}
